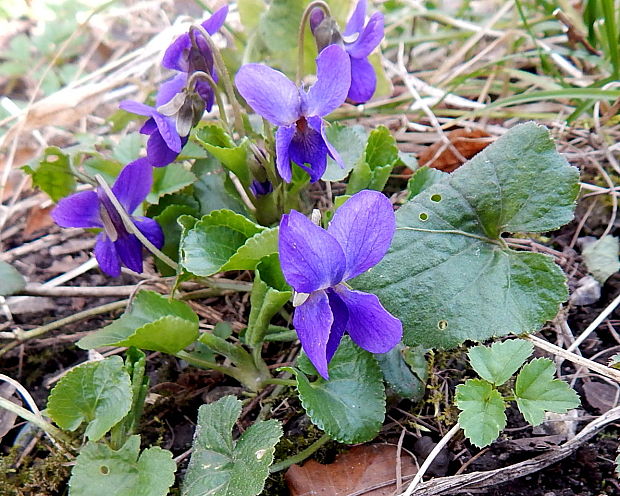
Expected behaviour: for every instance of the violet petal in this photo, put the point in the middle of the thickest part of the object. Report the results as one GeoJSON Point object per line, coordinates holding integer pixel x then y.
{"type": "Point", "coordinates": [78, 210]}
{"type": "Point", "coordinates": [129, 250]}
{"type": "Point", "coordinates": [168, 89]}
{"type": "Point", "coordinates": [133, 184]}
{"type": "Point", "coordinates": [269, 92]}
{"type": "Point", "coordinates": [151, 230]}
{"type": "Point", "coordinates": [370, 325]}
{"type": "Point", "coordinates": [175, 57]}
{"type": "Point", "coordinates": [107, 258]}
{"type": "Point", "coordinates": [216, 21]}
{"type": "Point", "coordinates": [137, 108]}
{"type": "Point", "coordinates": [319, 124]}
{"type": "Point", "coordinates": [157, 151]}
{"type": "Point", "coordinates": [308, 147]}
{"type": "Point", "coordinates": [356, 21]}
{"type": "Point", "coordinates": [333, 72]}
{"type": "Point", "coordinates": [363, 81]}
{"type": "Point", "coordinates": [149, 127]}
{"type": "Point", "coordinates": [369, 39]}
{"type": "Point", "coordinates": [341, 319]}
{"type": "Point", "coordinates": [167, 130]}
{"type": "Point", "coordinates": [313, 321]}
{"type": "Point", "coordinates": [310, 257]}
{"type": "Point", "coordinates": [364, 226]}
{"type": "Point", "coordinates": [284, 135]}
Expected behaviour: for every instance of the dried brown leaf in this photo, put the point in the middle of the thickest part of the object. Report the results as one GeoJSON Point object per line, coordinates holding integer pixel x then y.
{"type": "Point", "coordinates": [468, 143]}
{"type": "Point", "coordinates": [360, 468]}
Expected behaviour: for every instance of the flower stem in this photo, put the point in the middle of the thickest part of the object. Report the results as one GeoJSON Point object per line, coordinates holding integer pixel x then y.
{"type": "Point", "coordinates": [302, 34]}
{"type": "Point", "coordinates": [37, 420]}
{"type": "Point", "coordinates": [216, 92]}
{"type": "Point", "coordinates": [225, 78]}
{"type": "Point", "coordinates": [301, 456]}
{"type": "Point", "coordinates": [131, 227]}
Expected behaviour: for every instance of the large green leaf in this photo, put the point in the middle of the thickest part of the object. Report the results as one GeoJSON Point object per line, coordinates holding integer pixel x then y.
{"type": "Point", "coordinates": [220, 466]}
{"type": "Point", "coordinates": [498, 362]}
{"type": "Point", "coordinates": [12, 280]}
{"type": "Point", "coordinates": [482, 414]}
{"type": "Point", "coordinates": [350, 407]}
{"type": "Point", "coordinates": [101, 471]}
{"type": "Point", "coordinates": [225, 240]}
{"type": "Point", "coordinates": [153, 322]}
{"type": "Point", "coordinates": [167, 220]}
{"type": "Point", "coordinates": [53, 173]}
{"type": "Point", "coordinates": [537, 391]}
{"type": "Point", "coordinates": [98, 393]}
{"type": "Point", "coordinates": [448, 275]}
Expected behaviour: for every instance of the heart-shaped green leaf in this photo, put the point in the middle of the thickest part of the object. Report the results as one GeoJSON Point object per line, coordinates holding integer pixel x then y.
{"type": "Point", "coordinates": [449, 276]}
{"type": "Point", "coordinates": [101, 471]}
{"type": "Point", "coordinates": [225, 240]}
{"type": "Point", "coordinates": [52, 173]}
{"type": "Point", "coordinates": [98, 393]}
{"type": "Point", "coordinates": [537, 391]}
{"type": "Point", "coordinates": [220, 466]}
{"type": "Point", "coordinates": [153, 322]}
{"type": "Point", "coordinates": [350, 407]}
{"type": "Point", "coordinates": [408, 381]}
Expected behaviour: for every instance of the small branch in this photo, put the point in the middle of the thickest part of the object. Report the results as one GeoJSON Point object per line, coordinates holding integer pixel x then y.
{"type": "Point", "coordinates": [71, 291]}
{"type": "Point", "coordinates": [431, 458]}
{"type": "Point", "coordinates": [608, 372]}
{"type": "Point", "coordinates": [37, 420]}
{"type": "Point", "coordinates": [301, 456]}
{"type": "Point", "coordinates": [595, 323]}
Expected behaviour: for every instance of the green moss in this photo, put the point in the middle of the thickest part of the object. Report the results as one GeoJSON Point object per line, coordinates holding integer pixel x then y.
{"type": "Point", "coordinates": [36, 475]}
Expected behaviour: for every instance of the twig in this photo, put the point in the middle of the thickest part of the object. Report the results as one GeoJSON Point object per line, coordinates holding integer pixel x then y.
{"type": "Point", "coordinates": [71, 291]}
{"type": "Point", "coordinates": [595, 323]}
{"type": "Point", "coordinates": [572, 357]}
{"type": "Point", "coordinates": [431, 458]}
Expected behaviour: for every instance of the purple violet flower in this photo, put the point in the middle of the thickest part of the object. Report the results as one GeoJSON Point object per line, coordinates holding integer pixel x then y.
{"type": "Point", "coordinates": [317, 262]}
{"type": "Point", "coordinates": [180, 56]}
{"type": "Point", "coordinates": [164, 143]}
{"type": "Point", "coordinates": [359, 41]}
{"type": "Point", "coordinates": [259, 188]}
{"type": "Point", "coordinates": [94, 209]}
{"type": "Point", "coordinates": [301, 134]}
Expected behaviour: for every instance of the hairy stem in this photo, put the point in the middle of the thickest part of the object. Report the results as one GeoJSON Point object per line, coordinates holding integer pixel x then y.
{"type": "Point", "coordinates": [302, 34]}
{"type": "Point", "coordinates": [301, 456]}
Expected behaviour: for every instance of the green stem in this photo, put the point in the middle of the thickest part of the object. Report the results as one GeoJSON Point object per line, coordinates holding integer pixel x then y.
{"type": "Point", "coordinates": [280, 382]}
{"type": "Point", "coordinates": [302, 35]}
{"type": "Point", "coordinates": [34, 419]}
{"type": "Point", "coordinates": [222, 72]}
{"type": "Point", "coordinates": [130, 226]}
{"type": "Point", "coordinates": [216, 91]}
{"type": "Point", "coordinates": [301, 456]}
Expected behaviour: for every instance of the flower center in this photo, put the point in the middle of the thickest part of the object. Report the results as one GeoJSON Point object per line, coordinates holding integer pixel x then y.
{"type": "Point", "coordinates": [302, 124]}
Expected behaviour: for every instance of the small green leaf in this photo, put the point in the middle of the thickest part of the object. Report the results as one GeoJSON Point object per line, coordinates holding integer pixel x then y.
{"type": "Point", "coordinates": [169, 179]}
{"type": "Point", "coordinates": [448, 276]}
{"type": "Point", "coordinates": [12, 280]}
{"type": "Point", "coordinates": [601, 258]}
{"type": "Point", "coordinates": [265, 299]}
{"type": "Point", "coordinates": [381, 154]}
{"type": "Point", "coordinates": [614, 361]}
{"type": "Point", "coordinates": [221, 467]}
{"type": "Point", "coordinates": [153, 322]}
{"type": "Point", "coordinates": [219, 144]}
{"type": "Point", "coordinates": [108, 169]}
{"type": "Point", "coordinates": [349, 141]}
{"type": "Point", "coordinates": [537, 391]}
{"type": "Point", "coordinates": [498, 362]}
{"type": "Point", "coordinates": [398, 374]}
{"type": "Point", "coordinates": [422, 179]}
{"type": "Point", "coordinates": [101, 471]}
{"type": "Point", "coordinates": [350, 407]}
{"type": "Point", "coordinates": [225, 240]}
{"type": "Point", "coordinates": [214, 190]}
{"type": "Point", "coordinates": [53, 173]}
{"type": "Point", "coordinates": [98, 393]}
{"type": "Point", "coordinates": [482, 414]}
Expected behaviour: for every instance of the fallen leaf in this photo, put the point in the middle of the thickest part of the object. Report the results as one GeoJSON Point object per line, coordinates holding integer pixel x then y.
{"type": "Point", "coordinates": [38, 218]}
{"type": "Point", "coordinates": [360, 468]}
{"type": "Point", "coordinates": [7, 418]}
{"type": "Point", "coordinates": [468, 143]}
{"type": "Point", "coordinates": [600, 395]}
